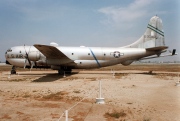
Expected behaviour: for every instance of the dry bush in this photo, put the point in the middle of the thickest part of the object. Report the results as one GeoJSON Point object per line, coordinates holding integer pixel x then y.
{"type": "Point", "coordinates": [17, 80]}
{"type": "Point", "coordinates": [71, 78]}
{"type": "Point", "coordinates": [75, 98]}
{"type": "Point", "coordinates": [26, 96]}
{"type": "Point", "coordinates": [76, 91]}
{"type": "Point", "coordinates": [146, 119]}
{"type": "Point", "coordinates": [115, 114]}
{"type": "Point", "coordinates": [165, 76]}
{"type": "Point", "coordinates": [55, 96]}
{"type": "Point", "coordinates": [5, 116]}
{"type": "Point", "coordinates": [150, 72]}
{"type": "Point", "coordinates": [120, 75]}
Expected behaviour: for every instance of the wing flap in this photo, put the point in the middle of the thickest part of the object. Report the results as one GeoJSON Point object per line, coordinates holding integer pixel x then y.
{"type": "Point", "coordinates": [51, 52]}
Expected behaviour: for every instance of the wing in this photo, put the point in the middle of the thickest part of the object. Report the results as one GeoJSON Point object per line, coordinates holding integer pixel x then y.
{"type": "Point", "coordinates": [51, 52]}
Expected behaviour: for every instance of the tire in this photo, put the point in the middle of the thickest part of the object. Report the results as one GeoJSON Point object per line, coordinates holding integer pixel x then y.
{"type": "Point", "coordinates": [60, 72]}
{"type": "Point", "coordinates": [13, 72]}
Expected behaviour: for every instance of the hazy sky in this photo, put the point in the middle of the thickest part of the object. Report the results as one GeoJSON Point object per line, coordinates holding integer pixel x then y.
{"type": "Point", "coordinates": [85, 22]}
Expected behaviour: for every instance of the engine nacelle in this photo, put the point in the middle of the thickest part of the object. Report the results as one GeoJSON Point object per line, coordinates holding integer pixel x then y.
{"type": "Point", "coordinates": [54, 44]}
{"type": "Point", "coordinates": [126, 63]}
{"type": "Point", "coordinates": [34, 56]}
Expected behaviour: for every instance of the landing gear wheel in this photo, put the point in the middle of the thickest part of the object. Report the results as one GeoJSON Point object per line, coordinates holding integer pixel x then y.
{"type": "Point", "coordinates": [13, 70]}
{"type": "Point", "coordinates": [68, 71]}
{"type": "Point", "coordinates": [60, 72]}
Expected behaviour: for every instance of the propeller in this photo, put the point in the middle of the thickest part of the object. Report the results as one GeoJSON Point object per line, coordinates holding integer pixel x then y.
{"type": "Point", "coordinates": [27, 58]}
{"type": "Point", "coordinates": [32, 64]}
{"type": "Point", "coordinates": [173, 51]}
{"type": "Point", "coordinates": [35, 64]}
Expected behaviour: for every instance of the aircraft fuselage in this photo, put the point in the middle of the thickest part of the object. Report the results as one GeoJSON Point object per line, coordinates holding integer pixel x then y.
{"type": "Point", "coordinates": [79, 57]}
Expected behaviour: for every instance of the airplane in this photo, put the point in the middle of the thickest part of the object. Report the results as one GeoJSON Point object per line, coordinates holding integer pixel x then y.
{"type": "Point", "coordinates": [150, 45]}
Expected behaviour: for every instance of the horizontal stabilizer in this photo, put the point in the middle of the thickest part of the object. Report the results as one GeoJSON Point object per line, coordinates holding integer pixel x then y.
{"type": "Point", "coordinates": [157, 48]}
{"type": "Point", "coordinates": [157, 56]}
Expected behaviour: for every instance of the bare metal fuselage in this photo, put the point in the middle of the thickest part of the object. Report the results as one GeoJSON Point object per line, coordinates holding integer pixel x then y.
{"type": "Point", "coordinates": [79, 57]}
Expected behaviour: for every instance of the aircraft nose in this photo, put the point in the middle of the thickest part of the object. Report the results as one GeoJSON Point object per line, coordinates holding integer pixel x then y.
{"type": "Point", "coordinates": [7, 53]}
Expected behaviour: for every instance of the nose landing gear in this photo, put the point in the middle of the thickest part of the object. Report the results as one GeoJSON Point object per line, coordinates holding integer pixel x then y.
{"type": "Point", "coordinates": [13, 70]}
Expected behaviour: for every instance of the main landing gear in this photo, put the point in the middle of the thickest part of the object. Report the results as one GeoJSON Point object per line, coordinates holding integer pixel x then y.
{"type": "Point", "coordinates": [13, 70]}
{"type": "Point", "coordinates": [63, 71]}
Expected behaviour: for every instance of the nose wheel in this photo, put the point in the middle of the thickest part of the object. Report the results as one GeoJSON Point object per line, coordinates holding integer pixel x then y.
{"type": "Point", "coordinates": [13, 70]}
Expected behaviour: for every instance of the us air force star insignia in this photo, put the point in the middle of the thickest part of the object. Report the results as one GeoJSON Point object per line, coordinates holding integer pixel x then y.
{"type": "Point", "coordinates": [116, 54]}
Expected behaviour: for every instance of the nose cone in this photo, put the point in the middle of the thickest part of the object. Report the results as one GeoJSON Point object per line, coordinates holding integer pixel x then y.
{"type": "Point", "coordinates": [7, 52]}
{"type": "Point", "coordinates": [6, 58]}
{"type": "Point", "coordinates": [7, 55]}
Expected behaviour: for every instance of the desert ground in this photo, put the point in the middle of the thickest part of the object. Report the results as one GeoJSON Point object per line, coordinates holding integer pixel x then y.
{"type": "Point", "coordinates": [139, 92]}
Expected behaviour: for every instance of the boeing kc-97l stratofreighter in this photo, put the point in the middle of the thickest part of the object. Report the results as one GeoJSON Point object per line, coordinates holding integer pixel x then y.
{"type": "Point", "coordinates": [150, 45]}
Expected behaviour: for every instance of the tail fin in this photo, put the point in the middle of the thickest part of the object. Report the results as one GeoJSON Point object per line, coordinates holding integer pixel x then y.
{"type": "Point", "coordinates": [153, 38]}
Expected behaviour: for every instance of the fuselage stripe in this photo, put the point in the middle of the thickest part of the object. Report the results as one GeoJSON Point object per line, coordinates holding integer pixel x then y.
{"type": "Point", "coordinates": [95, 57]}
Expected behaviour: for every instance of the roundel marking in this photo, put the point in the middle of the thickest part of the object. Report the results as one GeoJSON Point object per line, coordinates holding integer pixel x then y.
{"type": "Point", "coordinates": [116, 54]}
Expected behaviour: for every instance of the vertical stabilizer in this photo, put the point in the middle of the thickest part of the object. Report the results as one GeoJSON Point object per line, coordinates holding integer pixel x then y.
{"type": "Point", "coordinates": [153, 36]}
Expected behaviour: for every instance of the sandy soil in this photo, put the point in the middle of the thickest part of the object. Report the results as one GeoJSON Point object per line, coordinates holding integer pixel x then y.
{"type": "Point", "coordinates": [130, 95]}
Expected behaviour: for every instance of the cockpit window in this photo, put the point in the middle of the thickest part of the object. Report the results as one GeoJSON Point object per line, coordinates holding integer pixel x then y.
{"type": "Point", "coordinates": [9, 50]}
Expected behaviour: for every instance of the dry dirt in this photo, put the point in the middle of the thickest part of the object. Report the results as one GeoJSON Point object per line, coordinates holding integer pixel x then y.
{"type": "Point", "coordinates": [146, 94]}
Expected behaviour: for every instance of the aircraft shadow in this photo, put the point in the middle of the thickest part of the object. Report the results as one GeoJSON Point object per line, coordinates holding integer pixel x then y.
{"type": "Point", "coordinates": [34, 74]}
{"type": "Point", "coordinates": [52, 77]}
{"type": "Point", "coordinates": [147, 73]}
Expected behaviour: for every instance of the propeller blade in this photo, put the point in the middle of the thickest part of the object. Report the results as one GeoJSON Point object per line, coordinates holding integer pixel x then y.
{"type": "Point", "coordinates": [29, 61]}
{"type": "Point", "coordinates": [27, 58]}
{"type": "Point", "coordinates": [32, 64]}
{"type": "Point", "coordinates": [25, 63]}
{"type": "Point", "coordinates": [35, 64]}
